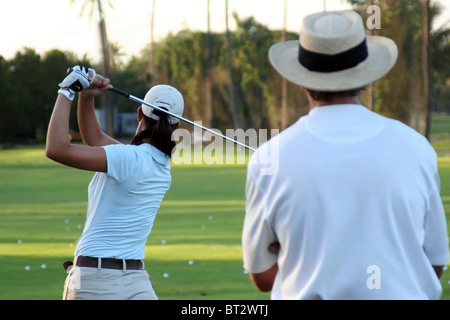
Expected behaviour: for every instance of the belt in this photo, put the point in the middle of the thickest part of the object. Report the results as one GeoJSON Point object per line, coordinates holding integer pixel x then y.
{"type": "Point", "coordinates": [108, 263]}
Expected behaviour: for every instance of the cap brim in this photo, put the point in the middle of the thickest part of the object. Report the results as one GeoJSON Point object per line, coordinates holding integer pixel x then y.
{"type": "Point", "coordinates": [383, 54]}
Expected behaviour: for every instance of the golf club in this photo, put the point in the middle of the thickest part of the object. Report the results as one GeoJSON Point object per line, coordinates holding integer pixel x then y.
{"type": "Point", "coordinates": [135, 99]}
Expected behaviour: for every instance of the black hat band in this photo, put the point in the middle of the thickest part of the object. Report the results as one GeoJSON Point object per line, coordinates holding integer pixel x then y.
{"type": "Point", "coordinates": [320, 62]}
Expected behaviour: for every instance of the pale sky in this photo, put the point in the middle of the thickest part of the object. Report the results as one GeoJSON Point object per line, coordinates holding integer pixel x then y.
{"type": "Point", "coordinates": [48, 24]}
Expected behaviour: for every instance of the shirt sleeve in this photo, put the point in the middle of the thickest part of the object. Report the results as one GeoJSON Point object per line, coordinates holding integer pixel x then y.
{"type": "Point", "coordinates": [257, 232]}
{"type": "Point", "coordinates": [436, 244]}
{"type": "Point", "coordinates": [121, 161]}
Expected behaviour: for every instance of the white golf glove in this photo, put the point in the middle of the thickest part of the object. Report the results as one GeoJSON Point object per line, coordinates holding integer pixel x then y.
{"type": "Point", "coordinates": [78, 78]}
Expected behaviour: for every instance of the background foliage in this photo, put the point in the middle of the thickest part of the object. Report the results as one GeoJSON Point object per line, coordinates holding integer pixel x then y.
{"type": "Point", "coordinates": [28, 82]}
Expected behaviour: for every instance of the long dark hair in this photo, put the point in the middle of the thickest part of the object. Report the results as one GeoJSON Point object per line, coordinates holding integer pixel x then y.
{"type": "Point", "coordinates": [158, 131]}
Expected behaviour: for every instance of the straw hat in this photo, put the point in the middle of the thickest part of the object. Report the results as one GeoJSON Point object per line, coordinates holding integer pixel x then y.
{"type": "Point", "coordinates": [333, 53]}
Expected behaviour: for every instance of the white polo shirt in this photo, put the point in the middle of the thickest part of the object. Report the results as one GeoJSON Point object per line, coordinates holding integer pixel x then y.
{"type": "Point", "coordinates": [355, 206]}
{"type": "Point", "coordinates": [124, 201]}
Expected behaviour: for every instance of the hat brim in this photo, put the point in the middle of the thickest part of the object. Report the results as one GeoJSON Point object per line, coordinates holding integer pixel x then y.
{"type": "Point", "coordinates": [382, 56]}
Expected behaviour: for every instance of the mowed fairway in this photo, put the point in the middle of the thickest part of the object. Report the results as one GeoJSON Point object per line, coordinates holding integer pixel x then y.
{"type": "Point", "coordinates": [194, 251]}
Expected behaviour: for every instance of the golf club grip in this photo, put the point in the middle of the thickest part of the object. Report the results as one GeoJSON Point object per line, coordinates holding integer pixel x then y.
{"type": "Point", "coordinates": [120, 92]}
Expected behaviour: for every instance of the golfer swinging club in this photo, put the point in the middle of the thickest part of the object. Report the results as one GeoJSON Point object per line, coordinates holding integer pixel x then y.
{"type": "Point", "coordinates": [354, 211]}
{"type": "Point", "coordinates": [125, 192]}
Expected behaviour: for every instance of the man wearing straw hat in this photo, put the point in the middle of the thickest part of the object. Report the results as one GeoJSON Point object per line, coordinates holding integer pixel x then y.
{"type": "Point", "coordinates": [354, 209]}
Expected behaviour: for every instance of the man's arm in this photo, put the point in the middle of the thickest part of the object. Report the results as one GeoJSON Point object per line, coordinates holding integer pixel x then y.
{"type": "Point", "coordinates": [264, 280]}
{"type": "Point", "coordinates": [259, 241]}
{"type": "Point", "coordinates": [439, 270]}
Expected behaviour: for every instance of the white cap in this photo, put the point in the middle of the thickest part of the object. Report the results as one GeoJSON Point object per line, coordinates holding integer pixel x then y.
{"type": "Point", "coordinates": [166, 97]}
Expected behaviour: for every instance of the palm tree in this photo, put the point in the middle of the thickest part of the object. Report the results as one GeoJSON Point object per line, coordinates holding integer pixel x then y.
{"type": "Point", "coordinates": [435, 51]}
{"type": "Point", "coordinates": [152, 45]}
{"type": "Point", "coordinates": [426, 70]}
{"type": "Point", "coordinates": [115, 50]}
{"type": "Point", "coordinates": [106, 99]}
{"type": "Point", "coordinates": [207, 114]}
{"type": "Point", "coordinates": [230, 69]}
{"type": "Point", "coordinates": [370, 87]}
{"type": "Point", "coordinates": [440, 76]}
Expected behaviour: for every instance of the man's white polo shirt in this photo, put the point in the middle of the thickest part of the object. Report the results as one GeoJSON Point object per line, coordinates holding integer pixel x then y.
{"type": "Point", "coordinates": [355, 205]}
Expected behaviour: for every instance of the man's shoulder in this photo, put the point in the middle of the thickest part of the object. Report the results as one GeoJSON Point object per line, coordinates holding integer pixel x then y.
{"type": "Point", "coordinates": [400, 128]}
{"type": "Point", "coordinates": [407, 138]}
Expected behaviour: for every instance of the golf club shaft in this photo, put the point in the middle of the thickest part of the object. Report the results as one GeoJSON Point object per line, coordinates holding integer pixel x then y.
{"type": "Point", "coordinates": [136, 99]}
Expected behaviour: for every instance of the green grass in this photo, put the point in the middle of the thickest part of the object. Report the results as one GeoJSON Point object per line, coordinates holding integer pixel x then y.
{"type": "Point", "coordinates": [440, 126]}
{"type": "Point", "coordinates": [195, 239]}
{"type": "Point", "coordinates": [440, 133]}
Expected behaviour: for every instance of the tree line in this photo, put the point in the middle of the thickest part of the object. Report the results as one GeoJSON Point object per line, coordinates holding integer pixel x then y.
{"type": "Point", "coordinates": [28, 82]}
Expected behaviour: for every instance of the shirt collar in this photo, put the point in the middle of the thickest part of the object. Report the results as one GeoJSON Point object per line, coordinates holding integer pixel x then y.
{"type": "Point", "coordinates": [157, 154]}
{"type": "Point", "coordinates": [336, 108]}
